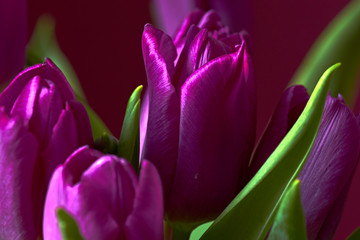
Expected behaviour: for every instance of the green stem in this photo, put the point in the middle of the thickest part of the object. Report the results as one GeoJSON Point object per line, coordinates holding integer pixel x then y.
{"type": "Point", "coordinates": [180, 234]}
{"type": "Point", "coordinates": [175, 233]}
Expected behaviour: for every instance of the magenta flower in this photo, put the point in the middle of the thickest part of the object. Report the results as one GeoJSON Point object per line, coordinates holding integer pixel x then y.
{"type": "Point", "coordinates": [169, 14]}
{"type": "Point", "coordinates": [41, 124]}
{"type": "Point", "coordinates": [200, 119]}
{"type": "Point", "coordinates": [326, 176]}
{"type": "Point", "coordinates": [13, 34]}
{"type": "Point", "coordinates": [105, 197]}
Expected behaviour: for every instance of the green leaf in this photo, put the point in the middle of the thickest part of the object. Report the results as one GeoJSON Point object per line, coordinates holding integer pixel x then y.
{"type": "Point", "coordinates": [107, 144]}
{"type": "Point", "coordinates": [250, 214]}
{"type": "Point", "coordinates": [43, 44]}
{"type": "Point", "coordinates": [129, 138]}
{"type": "Point", "coordinates": [355, 235]}
{"type": "Point", "coordinates": [289, 221]}
{"type": "Point", "coordinates": [68, 226]}
{"type": "Point", "coordinates": [339, 42]}
{"type": "Point", "coordinates": [200, 230]}
{"type": "Point", "coordinates": [98, 127]}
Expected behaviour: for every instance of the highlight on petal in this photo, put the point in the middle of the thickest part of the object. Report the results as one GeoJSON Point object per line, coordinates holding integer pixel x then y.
{"type": "Point", "coordinates": [17, 160]}
{"type": "Point", "coordinates": [160, 145]}
{"type": "Point", "coordinates": [210, 135]}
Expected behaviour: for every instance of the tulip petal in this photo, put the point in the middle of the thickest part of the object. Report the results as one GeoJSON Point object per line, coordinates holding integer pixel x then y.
{"type": "Point", "coordinates": [287, 111]}
{"type": "Point", "coordinates": [47, 70]}
{"type": "Point", "coordinates": [144, 114]}
{"type": "Point", "coordinates": [211, 21]}
{"type": "Point", "coordinates": [17, 160]}
{"type": "Point", "coordinates": [110, 181]}
{"type": "Point", "coordinates": [199, 49]}
{"type": "Point", "coordinates": [148, 207]}
{"type": "Point", "coordinates": [77, 163]}
{"type": "Point", "coordinates": [24, 104]}
{"type": "Point", "coordinates": [63, 142]}
{"type": "Point", "coordinates": [82, 123]}
{"type": "Point", "coordinates": [85, 198]}
{"type": "Point", "coordinates": [334, 215]}
{"type": "Point", "coordinates": [55, 197]}
{"type": "Point", "coordinates": [208, 98]}
{"type": "Point", "coordinates": [330, 164]}
{"type": "Point", "coordinates": [13, 38]}
{"type": "Point", "coordinates": [192, 19]}
{"type": "Point", "coordinates": [160, 146]}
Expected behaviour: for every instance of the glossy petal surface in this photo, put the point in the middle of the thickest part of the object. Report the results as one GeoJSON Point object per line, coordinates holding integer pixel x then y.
{"type": "Point", "coordinates": [103, 194]}
{"type": "Point", "coordinates": [18, 153]}
{"type": "Point", "coordinates": [330, 165]}
{"type": "Point", "coordinates": [160, 145]}
{"type": "Point", "coordinates": [212, 134]}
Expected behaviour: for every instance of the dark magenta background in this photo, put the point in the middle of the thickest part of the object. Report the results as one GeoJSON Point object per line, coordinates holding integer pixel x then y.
{"type": "Point", "coordinates": [103, 42]}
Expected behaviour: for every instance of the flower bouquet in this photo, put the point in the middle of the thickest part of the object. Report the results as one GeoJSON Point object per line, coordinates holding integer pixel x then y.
{"type": "Point", "coordinates": [188, 163]}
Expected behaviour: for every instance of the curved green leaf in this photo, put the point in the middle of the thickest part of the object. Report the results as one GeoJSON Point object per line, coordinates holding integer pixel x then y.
{"type": "Point", "coordinates": [107, 144]}
{"type": "Point", "coordinates": [68, 226]}
{"type": "Point", "coordinates": [355, 235]}
{"type": "Point", "coordinates": [43, 44]}
{"type": "Point", "coordinates": [289, 221]}
{"type": "Point", "coordinates": [250, 214]}
{"type": "Point", "coordinates": [129, 138]}
{"type": "Point", "coordinates": [339, 42]}
{"type": "Point", "coordinates": [200, 230]}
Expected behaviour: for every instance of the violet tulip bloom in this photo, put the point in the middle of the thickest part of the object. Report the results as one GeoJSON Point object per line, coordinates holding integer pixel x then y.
{"type": "Point", "coordinates": [200, 119]}
{"type": "Point", "coordinates": [105, 197]}
{"type": "Point", "coordinates": [169, 14]}
{"type": "Point", "coordinates": [13, 34]}
{"type": "Point", "coordinates": [326, 176]}
{"type": "Point", "coordinates": [41, 124]}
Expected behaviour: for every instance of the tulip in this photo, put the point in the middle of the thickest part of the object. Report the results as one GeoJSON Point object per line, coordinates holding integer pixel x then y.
{"type": "Point", "coordinates": [105, 197]}
{"type": "Point", "coordinates": [169, 14]}
{"type": "Point", "coordinates": [13, 34]}
{"type": "Point", "coordinates": [326, 176]}
{"type": "Point", "coordinates": [200, 115]}
{"type": "Point", "coordinates": [41, 124]}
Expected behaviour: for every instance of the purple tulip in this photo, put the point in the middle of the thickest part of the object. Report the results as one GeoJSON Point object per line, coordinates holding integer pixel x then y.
{"type": "Point", "coordinates": [200, 115]}
{"type": "Point", "coordinates": [327, 174]}
{"type": "Point", "coordinates": [13, 34]}
{"type": "Point", "coordinates": [169, 14]}
{"type": "Point", "coordinates": [41, 124]}
{"type": "Point", "coordinates": [105, 197]}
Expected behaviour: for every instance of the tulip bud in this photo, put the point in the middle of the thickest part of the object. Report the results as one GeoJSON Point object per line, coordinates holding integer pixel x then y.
{"type": "Point", "coordinates": [200, 115]}
{"type": "Point", "coordinates": [104, 196]}
{"type": "Point", "coordinates": [39, 106]}
{"type": "Point", "coordinates": [326, 176]}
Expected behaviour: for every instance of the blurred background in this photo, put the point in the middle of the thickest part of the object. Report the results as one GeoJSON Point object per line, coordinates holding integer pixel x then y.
{"type": "Point", "coordinates": [103, 43]}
